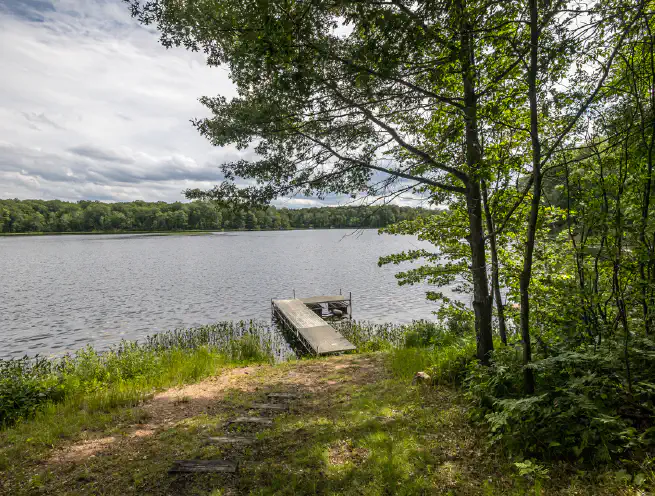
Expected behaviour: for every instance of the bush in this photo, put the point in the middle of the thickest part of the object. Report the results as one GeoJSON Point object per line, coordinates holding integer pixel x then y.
{"type": "Point", "coordinates": [24, 386]}
{"type": "Point", "coordinates": [583, 409]}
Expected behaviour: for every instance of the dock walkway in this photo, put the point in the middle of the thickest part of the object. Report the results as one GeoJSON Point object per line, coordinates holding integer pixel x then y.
{"type": "Point", "coordinates": [315, 333]}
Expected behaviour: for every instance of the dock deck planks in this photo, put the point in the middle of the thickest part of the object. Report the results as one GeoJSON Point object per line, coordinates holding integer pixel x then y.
{"type": "Point", "coordinates": [313, 300]}
{"type": "Point", "coordinates": [321, 337]}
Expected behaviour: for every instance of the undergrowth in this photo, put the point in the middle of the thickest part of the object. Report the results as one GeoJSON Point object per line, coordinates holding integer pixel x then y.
{"type": "Point", "coordinates": [586, 411]}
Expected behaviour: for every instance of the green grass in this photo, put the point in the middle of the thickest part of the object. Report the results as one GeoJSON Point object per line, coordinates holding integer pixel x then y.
{"type": "Point", "coordinates": [46, 403]}
{"type": "Point", "coordinates": [81, 411]}
{"type": "Point", "coordinates": [367, 433]}
{"type": "Point", "coordinates": [445, 365]}
{"type": "Point", "coordinates": [362, 428]}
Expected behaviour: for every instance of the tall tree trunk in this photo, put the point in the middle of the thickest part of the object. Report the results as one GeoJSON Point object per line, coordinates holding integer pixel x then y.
{"type": "Point", "coordinates": [495, 268]}
{"type": "Point", "coordinates": [481, 297]}
{"type": "Point", "coordinates": [526, 274]}
{"type": "Point", "coordinates": [616, 281]}
{"type": "Point", "coordinates": [647, 191]}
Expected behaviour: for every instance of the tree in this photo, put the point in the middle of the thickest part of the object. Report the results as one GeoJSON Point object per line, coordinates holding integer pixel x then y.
{"type": "Point", "coordinates": [5, 219]}
{"type": "Point", "coordinates": [95, 216]}
{"type": "Point", "coordinates": [251, 221]}
{"type": "Point", "coordinates": [393, 104]}
{"type": "Point", "coordinates": [59, 216]}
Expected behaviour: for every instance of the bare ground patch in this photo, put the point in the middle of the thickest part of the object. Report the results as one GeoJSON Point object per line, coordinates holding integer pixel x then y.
{"type": "Point", "coordinates": [217, 394]}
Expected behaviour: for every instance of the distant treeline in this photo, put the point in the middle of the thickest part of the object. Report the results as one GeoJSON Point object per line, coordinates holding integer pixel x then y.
{"type": "Point", "coordinates": [24, 216]}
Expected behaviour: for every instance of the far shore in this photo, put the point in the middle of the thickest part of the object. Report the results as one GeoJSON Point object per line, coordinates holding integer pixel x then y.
{"type": "Point", "coordinates": [188, 232]}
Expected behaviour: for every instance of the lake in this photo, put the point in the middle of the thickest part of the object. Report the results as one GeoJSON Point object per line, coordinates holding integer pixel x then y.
{"type": "Point", "coordinates": [60, 293]}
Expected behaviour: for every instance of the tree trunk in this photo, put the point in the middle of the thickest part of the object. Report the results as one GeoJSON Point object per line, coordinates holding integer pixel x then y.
{"type": "Point", "coordinates": [495, 268]}
{"type": "Point", "coordinates": [647, 193]}
{"type": "Point", "coordinates": [481, 297]}
{"type": "Point", "coordinates": [526, 274]}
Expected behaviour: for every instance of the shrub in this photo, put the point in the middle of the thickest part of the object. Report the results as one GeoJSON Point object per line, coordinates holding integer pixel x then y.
{"type": "Point", "coordinates": [24, 386]}
{"type": "Point", "coordinates": [583, 409]}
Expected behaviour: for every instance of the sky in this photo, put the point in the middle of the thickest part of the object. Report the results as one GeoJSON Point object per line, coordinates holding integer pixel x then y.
{"type": "Point", "coordinates": [93, 107]}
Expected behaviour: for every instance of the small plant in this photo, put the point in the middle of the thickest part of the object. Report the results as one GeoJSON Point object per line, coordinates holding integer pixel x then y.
{"type": "Point", "coordinates": [531, 469]}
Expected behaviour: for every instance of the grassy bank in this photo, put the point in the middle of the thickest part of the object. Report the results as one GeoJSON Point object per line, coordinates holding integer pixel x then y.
{"type": "Point", "coordinates": [360, 428]}
{"type": "Point", "coordinates": [105, 423]}
{"type": "Point", "coordinates": [44, 401]}
{"type": "Point", "coordinates": [91, 381]}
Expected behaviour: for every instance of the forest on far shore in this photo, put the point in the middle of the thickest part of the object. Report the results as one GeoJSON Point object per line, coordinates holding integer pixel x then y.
{"type": "Point", "coordinates": [25, 216]}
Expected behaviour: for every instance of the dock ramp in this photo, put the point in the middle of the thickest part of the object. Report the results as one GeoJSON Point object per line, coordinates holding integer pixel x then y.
{"type": "Point", "coordinates": [311, 330]}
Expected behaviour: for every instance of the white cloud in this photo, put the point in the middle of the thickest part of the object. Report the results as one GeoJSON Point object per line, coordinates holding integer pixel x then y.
{"type": "Point", "coordinates": [93, 107]}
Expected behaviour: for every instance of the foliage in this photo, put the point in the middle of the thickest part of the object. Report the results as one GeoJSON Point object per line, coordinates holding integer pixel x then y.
{"type": "Point", "coordinates": [366, 433]}
{"type": "Point", "coordinates": [583, 410]}
{"type": "Point", "coordinates": [372, 337]}
{"type": "Point", "coordinates": [24, 387]}
{"type": "Point", "coordinates": [25, 216]}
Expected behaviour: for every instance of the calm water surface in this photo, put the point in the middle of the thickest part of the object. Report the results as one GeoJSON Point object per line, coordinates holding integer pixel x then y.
{"type": "Point", "coordinates": [60, 293]}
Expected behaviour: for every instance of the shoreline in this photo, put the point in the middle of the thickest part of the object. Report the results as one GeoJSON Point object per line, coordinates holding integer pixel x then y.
{"type": "Point", "coordinates": [186, 232]}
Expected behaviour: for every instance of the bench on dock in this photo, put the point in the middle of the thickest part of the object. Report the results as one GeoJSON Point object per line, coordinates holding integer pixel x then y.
{"type": "Point", "coordinates": [311, 330]}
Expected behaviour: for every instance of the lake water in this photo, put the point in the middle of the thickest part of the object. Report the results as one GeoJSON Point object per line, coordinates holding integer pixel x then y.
{"type": "Point", "coordinates": [60, 293]}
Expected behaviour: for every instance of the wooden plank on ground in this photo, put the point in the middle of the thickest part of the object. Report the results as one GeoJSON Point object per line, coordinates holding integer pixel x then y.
{"type": "Point", "coordinates": [188, 466]}
{"type": "Point", "coordinates": [230, 440]}
{"type": "Point", "coordinates": [283, 396]}
{"type": "Point", "coordinates": [251, 420]}
{"type": "Point", "coordinates": [269, 406]}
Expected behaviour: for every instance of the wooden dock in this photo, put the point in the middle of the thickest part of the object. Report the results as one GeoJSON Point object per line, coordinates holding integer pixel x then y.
{"type": "Point", "coordinates": [316, 335]}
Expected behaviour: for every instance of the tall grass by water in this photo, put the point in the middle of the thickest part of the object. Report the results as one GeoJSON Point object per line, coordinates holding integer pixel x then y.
{"type": "Point", "coordinates": [127, 373]}
{"type": "Point", "coordinates": [46, 401]}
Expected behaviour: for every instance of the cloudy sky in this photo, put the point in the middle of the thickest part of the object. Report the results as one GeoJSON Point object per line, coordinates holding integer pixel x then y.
{"type": "Point", "coordinates": [92, 107]}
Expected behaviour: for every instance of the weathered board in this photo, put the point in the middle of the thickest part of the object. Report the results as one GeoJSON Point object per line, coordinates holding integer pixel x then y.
{"type": "Point", "coordinates": [314, 331]}
{"type": "Point", "coordinates": [283, 396]}
{"type": "Point", "coordinates": [230, 440]}
{"type": "Point", "coordinates": [269, 406]}
{"type": "Point", "coordinates": [251, 420]}
{"type": "Point", "coordinates": [181, 466]}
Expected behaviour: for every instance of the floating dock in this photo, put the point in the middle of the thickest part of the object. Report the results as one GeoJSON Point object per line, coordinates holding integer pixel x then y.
{"type": "Point", "coordinates": [301, 317]}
